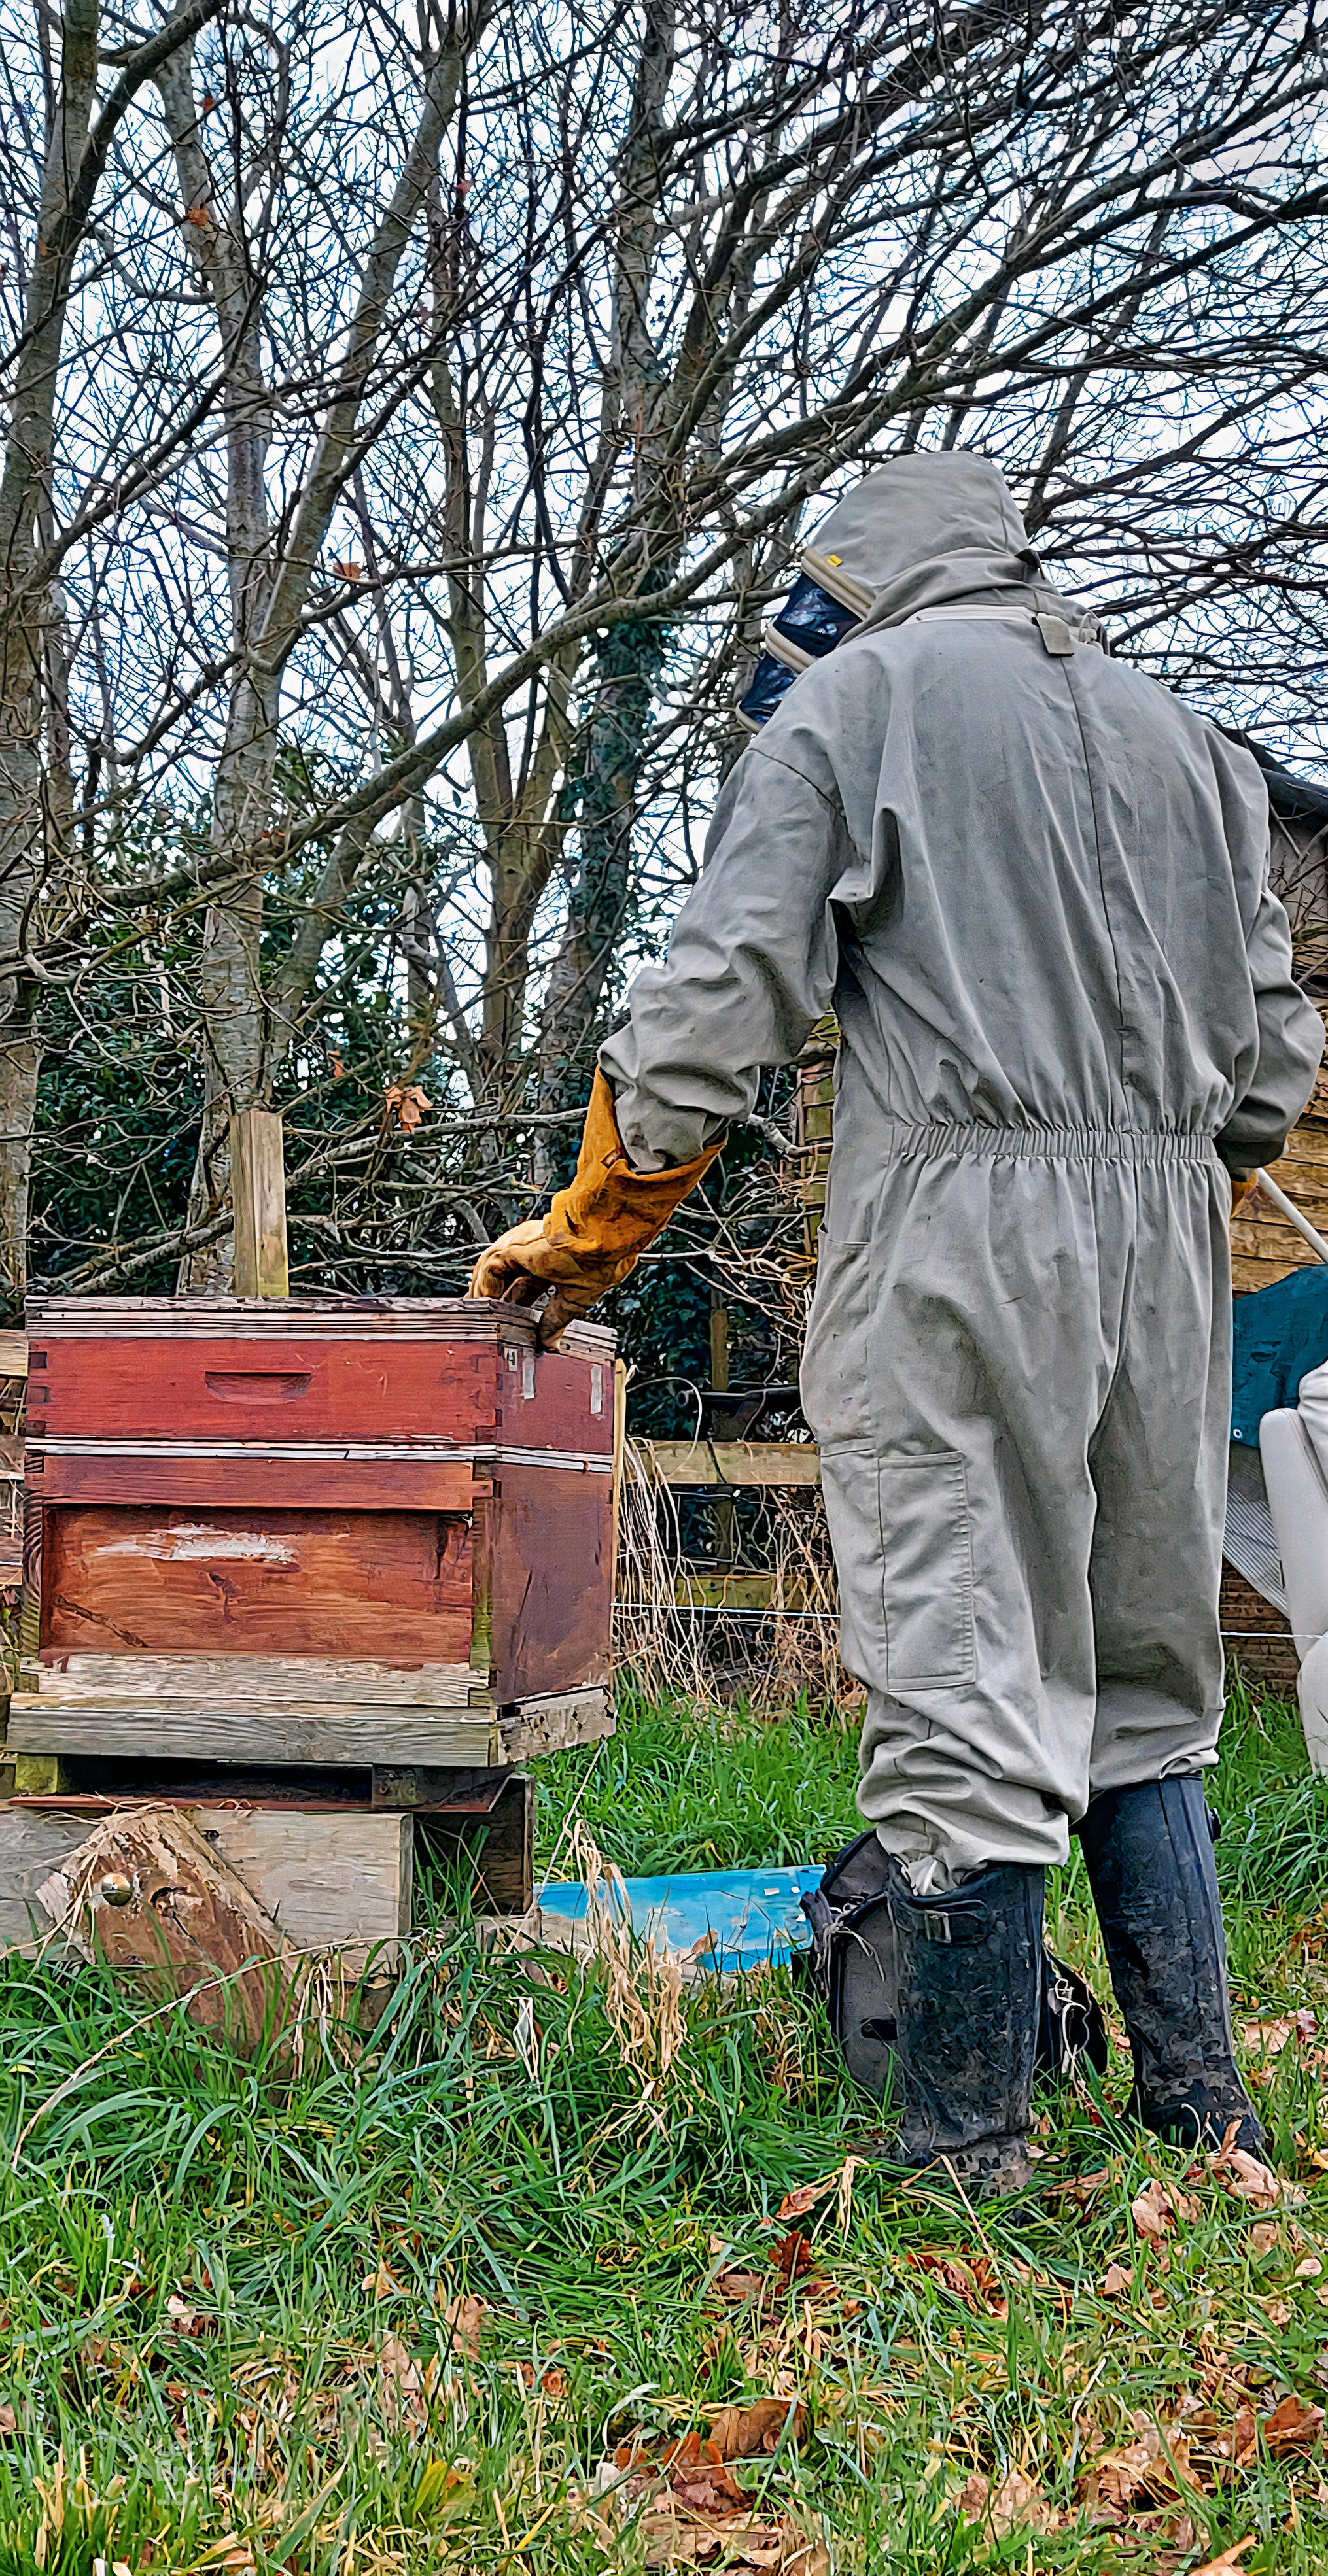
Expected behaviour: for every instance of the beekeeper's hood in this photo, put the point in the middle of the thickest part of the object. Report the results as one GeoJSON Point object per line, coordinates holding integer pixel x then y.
{"type": "Point", "coordinates": [924, 530]}
{"type": "Point", "coordinates": [923, 533]}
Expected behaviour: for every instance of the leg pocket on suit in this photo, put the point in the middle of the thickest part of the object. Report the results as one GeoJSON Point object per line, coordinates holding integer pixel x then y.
{"type": "Point", "coordinates": [927, 1562]}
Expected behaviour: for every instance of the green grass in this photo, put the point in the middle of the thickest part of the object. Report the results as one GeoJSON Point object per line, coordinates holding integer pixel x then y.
{"type": "Point", "coordinates": [224, 2327]}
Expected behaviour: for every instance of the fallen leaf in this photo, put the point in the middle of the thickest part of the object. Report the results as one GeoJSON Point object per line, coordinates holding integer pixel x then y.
{"type": "Point", "coordinates": [383, 2283]}
{"type": "Point", "coordinates": [708, 2487]}
{"type": "Point", "coordinates": [1144, 2468]}
{"type": "Point", "coordinates": [733, 2283]}
{"type": "Point", "coordinates": [1279, 2312]}
{"type": "Point", "coordinates": [971, 2500]}
{"type": "Point", "coordinates": [1017, 2504]}
{"type": "Point", "coordinates": [8, 2419]}
{"type": "Point", "coordinates": [742, 2432]}
{"type": "Point", "coordinates": [184, 2320]}
{"type": "Point", "coordinates": [1292, 2426]}
{"type": "Point", "coordinates": [1309, 2269]}
{"type": "Point", "coordinates": [550, 2383]}
{"type": "Point", "coordinates": [793, 2259]}
{"type": "Point", "coordinates": [1229, 2562]}
{"type": "Point", "coordinates": [1268, 2038]}
{"type": "Point", "coordinates": [1157, 2207]}
{"type": "Point", "coordinates": [400, 2384]}
{"type": "Point", "coordinates": [1116, 2278]}
{"type": "Point", "coordinates": [464, 2319]}
{"type": "Point", "coordinates": [1247, 2179]}
{"type": "Point", "coordinates": [1265, 2236]}
{"type": "Point", "coordinates": [795, 2204]}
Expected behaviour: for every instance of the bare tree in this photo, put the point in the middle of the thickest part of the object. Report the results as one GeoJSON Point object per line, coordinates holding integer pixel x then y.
{"type": "Point", "coordinates": [492, 378]}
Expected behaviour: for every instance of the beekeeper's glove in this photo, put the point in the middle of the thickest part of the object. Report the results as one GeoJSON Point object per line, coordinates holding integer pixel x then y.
{"type": "Point", "coordinates": [595, 1231]}
{"type": "Point", "coordinates": [1242, 1189]}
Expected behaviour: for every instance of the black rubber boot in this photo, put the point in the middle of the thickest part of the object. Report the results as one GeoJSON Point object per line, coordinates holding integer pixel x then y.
{"type": "Point", "coordinates": [1149, 1856]}
{"type": "Point", "coordinates": [938, 1999]}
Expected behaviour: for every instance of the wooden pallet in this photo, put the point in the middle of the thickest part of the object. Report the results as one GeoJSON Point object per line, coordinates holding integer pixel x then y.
{"type": "Point", "coordinates": [336, 1875]}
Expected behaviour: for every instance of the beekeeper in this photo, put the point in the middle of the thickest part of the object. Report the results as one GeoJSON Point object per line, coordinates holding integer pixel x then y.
{"type": "Point", "coordinates": [1032, 887]}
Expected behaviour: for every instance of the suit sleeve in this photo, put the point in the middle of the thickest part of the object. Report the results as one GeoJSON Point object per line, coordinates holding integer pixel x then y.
{"type": "Point", "coordinates": [751, 965]}
{"type": "Point", "coordinates": [1290, 1049]}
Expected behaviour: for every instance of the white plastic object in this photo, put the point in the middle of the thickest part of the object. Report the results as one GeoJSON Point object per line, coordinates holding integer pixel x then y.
{"type": "Point", "coordinates": [1286, 1207]}
{"type": "Point", "coordinates": [1294, 1449]}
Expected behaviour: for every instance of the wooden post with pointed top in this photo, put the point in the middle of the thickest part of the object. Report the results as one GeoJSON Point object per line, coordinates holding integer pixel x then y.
{"type": "Point", "coordinates": [258, 1200]}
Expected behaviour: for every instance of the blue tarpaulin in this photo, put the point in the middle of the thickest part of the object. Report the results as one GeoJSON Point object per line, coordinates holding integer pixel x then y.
{"type": "Point", "coordinates": [1278, 1335]}
{"type": "Point", "coordinates": [750, 1915]}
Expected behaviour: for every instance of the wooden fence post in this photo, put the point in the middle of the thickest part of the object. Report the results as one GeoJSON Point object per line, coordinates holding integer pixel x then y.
{"type": "Point", "coordinates": [258, 1201]}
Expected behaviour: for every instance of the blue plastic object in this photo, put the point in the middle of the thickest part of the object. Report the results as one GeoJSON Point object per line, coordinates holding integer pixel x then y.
{"type": "Point", "coordinates": [1278, 1335]}
{"type": "Point", "coordinates": [750, 1916]}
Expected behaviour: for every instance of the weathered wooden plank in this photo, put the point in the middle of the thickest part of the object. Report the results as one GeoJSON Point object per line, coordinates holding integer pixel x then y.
{"type": "Point", "coordinates": [550, 1565]}
{"type": "Point", "coordinates": [13, 1355]}
{"type": "Point", "coordinates": [729, 1462]}
{"type": "Point", "coordinates": [327, 1482]}
{"type": "Point", "coordinates": [258, 1204]}
{"type": "Point", "coordinates": [351, 1738]}
{"type": "Point", "coordinates": [550, 1726]}
{"type": "Point", "coordinates": [262, 1679]}
{"type": "Point", "coordinates": [339, 1882]}
{"type": "Point", "coordinates": [284, 1582]}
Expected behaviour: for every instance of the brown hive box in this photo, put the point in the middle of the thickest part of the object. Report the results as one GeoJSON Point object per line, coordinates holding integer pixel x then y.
{"type": "Point", "coordinates": [357, 1532]}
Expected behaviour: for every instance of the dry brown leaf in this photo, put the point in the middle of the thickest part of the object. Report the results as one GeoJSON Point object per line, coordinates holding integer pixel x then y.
{"type": "Point", "coordinates": [1292, 2426]}
{"type": "Point", "coordinates": [406, 1103]}
{"type": "Point", "coordinates": [464, 2319]}
{"type": "Point", "coordinates": [1265, 2236]}
{"type": "Point", "coordinates": [1015, 2504]}
{"type": "Point", "coordinates": [400, 2384]}
{"type": "Point", "coordinates": [794, 2260]}
{"type": "Point", "coordinates": [742, 2432]}
{"type": "Point", "coordinates": [1229, 2562]}
{"type": "Point", "coordinates": [795, 2204]}
{"type": "Point", "coordinates": [1247, 2179]}
{"type": "Point", "coordinates": [1157, 2207]}
{"type": "Point", "coordinates": [383, 2283]}
{"type": "Point", "coordinates": [1144, 2470]}
{"type": "Point", "coordinates": [733, 2542]}
{"type": "Point", "coordinates": [733, 2283]}
{"type": "Point", "coordinates": [1116, 2278]}
{"type": "Point", "coordinates": [1309, 2269]}
{"type": "Point", "coordinates": [1279, 2312]}
{"type": "Point", "coordinates": [8, 2419]}
{"type": "Point", "coordinates": [184, 2320]}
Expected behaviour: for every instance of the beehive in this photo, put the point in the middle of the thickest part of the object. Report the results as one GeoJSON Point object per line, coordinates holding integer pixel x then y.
{"type": "Point", "coordinates": [356, 1532]}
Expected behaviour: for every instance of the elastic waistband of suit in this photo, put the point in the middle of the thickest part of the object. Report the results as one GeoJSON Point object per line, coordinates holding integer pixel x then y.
{"type": "Point", "coordinates": [977, 1142]}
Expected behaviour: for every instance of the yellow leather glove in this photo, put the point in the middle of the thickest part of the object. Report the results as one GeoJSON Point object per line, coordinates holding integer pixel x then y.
{"type": "Point", "coordinates": [1242, 1190]}
{"type": "Point", "coordinates": [595, 1231]}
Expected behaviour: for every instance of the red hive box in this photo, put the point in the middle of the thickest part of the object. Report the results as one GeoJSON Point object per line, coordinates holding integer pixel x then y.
{"type": "Point", "coordinates": [347, 1531]}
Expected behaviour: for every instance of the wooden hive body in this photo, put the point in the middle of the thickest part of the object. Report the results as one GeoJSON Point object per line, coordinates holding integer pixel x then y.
{"type": "Point", "coordinates": [350, 1531]}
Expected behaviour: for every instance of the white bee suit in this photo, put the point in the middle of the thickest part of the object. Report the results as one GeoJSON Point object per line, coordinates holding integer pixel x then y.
{"type": "Point", "coordinates": [1033, 888]}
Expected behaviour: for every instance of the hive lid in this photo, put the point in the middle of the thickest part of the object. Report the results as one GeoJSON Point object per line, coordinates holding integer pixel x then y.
{"type": "Point", "coordinates": [307, 1318]}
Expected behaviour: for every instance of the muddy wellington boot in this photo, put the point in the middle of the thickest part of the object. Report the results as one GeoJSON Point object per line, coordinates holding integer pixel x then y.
{"type": "Point", "coordinates": [1149, 1856]}
{"type": "Point", "coordinates": [936, 2000]}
